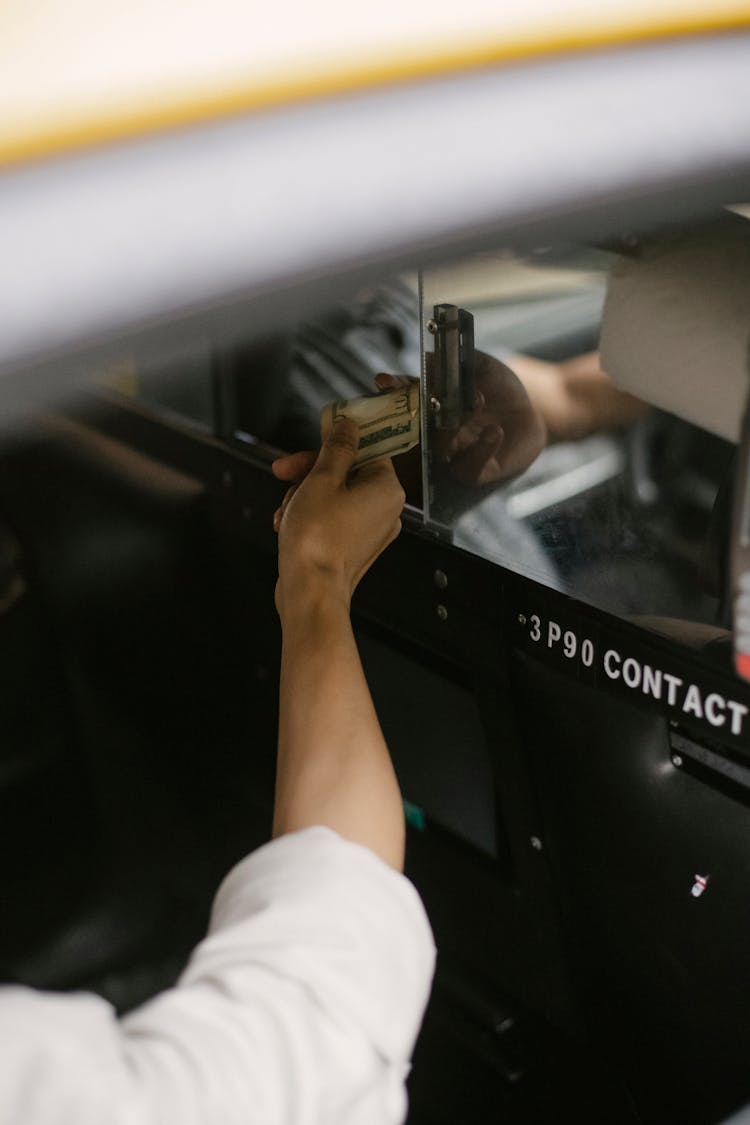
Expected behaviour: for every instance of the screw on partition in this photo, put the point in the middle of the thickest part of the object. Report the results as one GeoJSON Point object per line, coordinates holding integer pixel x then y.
{"type": "Point", "coordinates": [536, 843]}
{"type": "Point", "coordinates": [432, 327]}
{"type": "Point", "coordinates": [441, 579]}
{"type": "Point", "coordinates": [677, 760]}
{"type": "Point", "coordinates": [442, 613]}
{"type": "Point", "coordinates": [435, 404]}
{"type": "Point", "coordinates": [522, 619]}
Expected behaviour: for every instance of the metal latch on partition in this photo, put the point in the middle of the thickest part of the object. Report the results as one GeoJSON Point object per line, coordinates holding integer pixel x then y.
{"type": "Point", "coordinates": [451, 375]}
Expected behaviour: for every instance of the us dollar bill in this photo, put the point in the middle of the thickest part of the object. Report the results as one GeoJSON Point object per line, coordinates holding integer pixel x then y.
{"type": "Point", "coordinates": [388, 422]}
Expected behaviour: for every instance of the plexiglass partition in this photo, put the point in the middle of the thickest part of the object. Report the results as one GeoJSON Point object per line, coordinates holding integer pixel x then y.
{"type": "Point", "coordinates": [551, 470]}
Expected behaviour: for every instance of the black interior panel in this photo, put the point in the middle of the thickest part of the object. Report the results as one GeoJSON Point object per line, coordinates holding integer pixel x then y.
{"type": "Point", "coordinates": [662, 972]}
{"type": "Point", "coordinates": [551, 836]}
{"type": "Point", "coordinates": [125, 764]}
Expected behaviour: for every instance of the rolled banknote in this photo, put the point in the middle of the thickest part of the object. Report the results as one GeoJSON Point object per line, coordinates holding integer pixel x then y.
{"type": "Point", "coordinates": [388, 422]}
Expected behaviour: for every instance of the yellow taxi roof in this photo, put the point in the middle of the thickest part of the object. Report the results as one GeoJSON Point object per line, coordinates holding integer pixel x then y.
{"type": "Point", "coordinates": [73, 72]}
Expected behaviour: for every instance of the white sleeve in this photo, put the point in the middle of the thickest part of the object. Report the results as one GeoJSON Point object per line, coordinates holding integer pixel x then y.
{"type": "Point", "coordinates": [301, 1006]}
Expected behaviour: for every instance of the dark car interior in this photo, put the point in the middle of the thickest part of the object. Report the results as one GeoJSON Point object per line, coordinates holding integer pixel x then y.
{"type": "Point", "coordinates": [558, 820]}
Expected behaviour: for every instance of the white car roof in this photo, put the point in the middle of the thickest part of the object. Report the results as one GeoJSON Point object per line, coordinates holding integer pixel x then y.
{"type": "Point", "coordinates": [266, 198]}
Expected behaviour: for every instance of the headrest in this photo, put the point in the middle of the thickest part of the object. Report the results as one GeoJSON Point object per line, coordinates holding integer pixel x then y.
{"type": "Point", "coordinates": [676, 323]}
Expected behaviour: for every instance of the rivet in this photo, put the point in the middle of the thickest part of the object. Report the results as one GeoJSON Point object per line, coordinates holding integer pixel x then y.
{"type": "Point", "coordinates": [522, 619]}
{"type": "Point", "coordinates": [442, 613]}
{"type": "Point", "coordinates": [536, 843]}
{"type": "Point", "coordinates": [441, 579]}
{"type": "Point", "coordinates": [677, 760]}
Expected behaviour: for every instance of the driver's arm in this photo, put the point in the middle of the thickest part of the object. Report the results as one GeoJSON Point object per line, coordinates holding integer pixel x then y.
{"type": "Point", "coordinates": [575, 397]}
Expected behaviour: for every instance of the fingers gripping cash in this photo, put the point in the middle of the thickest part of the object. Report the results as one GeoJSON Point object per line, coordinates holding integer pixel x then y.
{"type": "Point", "coordinates": [517, 411]}
{"type": "Point", "coordinates": [388, 422]}
{"type": "Point", "coordinates": [497, 439]}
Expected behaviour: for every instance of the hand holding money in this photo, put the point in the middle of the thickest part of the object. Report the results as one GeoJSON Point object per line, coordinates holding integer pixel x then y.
{"type": "Point", "coordinates": [498, 440]}
{"type": "Point", "coordinates": [333, 523]}
{"type": "Point", "coordinates": [388, 422]}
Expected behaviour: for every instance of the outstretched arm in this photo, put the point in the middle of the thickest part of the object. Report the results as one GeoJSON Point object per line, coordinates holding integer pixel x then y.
{"type": "Point", "coordinates": [305, 998]}
{"type": "Point", "coordinates": [575, 397]}
{"type": "Point", "coordinates": [334, 768]}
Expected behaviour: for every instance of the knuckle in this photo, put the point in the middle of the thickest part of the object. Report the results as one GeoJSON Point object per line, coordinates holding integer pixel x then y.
{"type": "Point", "coordinates": [342, 439]}
{"type": "Point", "coordinates": [344, 435]}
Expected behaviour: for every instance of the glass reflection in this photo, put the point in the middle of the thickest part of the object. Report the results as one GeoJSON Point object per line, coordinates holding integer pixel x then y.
{"type": "Point", "coordinates": [553, 472]}
{"type": "Point", "coordinates": [556, 473]}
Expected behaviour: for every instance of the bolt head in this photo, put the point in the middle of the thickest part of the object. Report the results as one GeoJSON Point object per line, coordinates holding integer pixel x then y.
{"type": "Point", "coordinates": [677, 760]}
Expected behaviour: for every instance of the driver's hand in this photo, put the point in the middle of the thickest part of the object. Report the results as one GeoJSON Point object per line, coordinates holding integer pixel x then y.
{"type": "Point", "coordinates": [502, 436]}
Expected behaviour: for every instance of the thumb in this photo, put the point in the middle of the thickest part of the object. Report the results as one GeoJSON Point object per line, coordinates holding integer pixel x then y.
{"type": "Point", "coordinates": [339, 449]}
